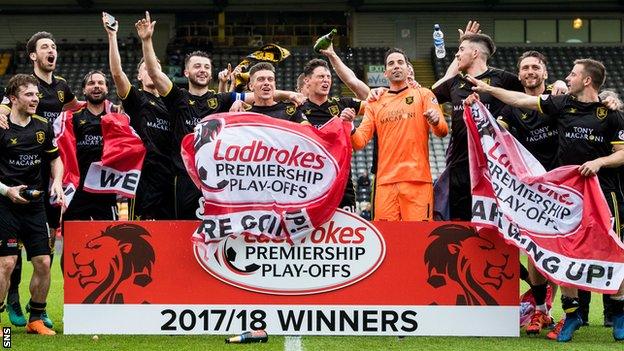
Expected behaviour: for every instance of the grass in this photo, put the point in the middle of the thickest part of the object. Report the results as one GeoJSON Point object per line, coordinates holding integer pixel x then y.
{"type": "Point", "coordinates": [594, 337]}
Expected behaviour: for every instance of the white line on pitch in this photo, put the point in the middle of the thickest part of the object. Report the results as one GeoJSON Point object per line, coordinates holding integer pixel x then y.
{"type": "Point", "coordinates": [292, 343]}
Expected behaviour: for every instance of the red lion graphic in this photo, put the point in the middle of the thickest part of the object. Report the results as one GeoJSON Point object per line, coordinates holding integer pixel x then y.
{"type": "Point", "coordinates": [447, 264]}
{"type": "Point", "coordinates": [121, 255]}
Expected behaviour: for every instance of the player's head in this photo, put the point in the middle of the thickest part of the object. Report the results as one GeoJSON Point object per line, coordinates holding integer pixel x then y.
{"type": "Point", "coordinates": [262, 81]}
{"type": "Point", "coordinates": [532, 70]}
{"type": "Point", "coordinates": [142, 75]}
{"type": "Point", "coordinates": [301, 86]}
{"type": "Point", "coordinates": [586, 74]}
{"type": "Point", "coordinates": [41, 49]}
{"type": "Point", "coordinates": [396, 62]}
{"type": "Point", "coordinates": [22, 91]}
{"type": "Point", "coordinates": [473, 48]}
{"type": "Point", "coordinates": [198, 69]}
{"type": "Point", "coordinates": [95, 87]}
{"type": "Point", "coordinates": [318, 77]}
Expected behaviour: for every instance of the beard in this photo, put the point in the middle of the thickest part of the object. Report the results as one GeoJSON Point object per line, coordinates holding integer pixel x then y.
{"type": "Point", "coordinates": [43, 66]}
{"type": "Point", "coordinates": [196, 83]}
{"type": "Point", "coordinates": [95, 101]}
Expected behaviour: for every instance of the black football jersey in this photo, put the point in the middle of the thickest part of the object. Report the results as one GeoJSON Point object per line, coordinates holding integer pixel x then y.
{"type": "Point", "coordinates": [23, 150]}
{"type": "Point", "coordinates": [586, 131]}
{"type": "Point", "coordinates": [455, 90]}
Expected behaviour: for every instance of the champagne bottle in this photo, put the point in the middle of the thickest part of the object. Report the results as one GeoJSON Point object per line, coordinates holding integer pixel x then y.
{"type": "Point", "coordinates": [31, 194]}
{"type": "Point", "coordinates": [248, 337]}
{"type": "Point", "coordinates": [323, 42]}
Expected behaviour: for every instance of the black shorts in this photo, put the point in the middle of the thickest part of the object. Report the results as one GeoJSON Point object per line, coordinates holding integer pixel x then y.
{"type": "Point", "coordinates": [460, 194]}
{"type": "Point", "coordinates": [90, 206]}
{"type": "Point", "coordinates": [616, 204]}
{"type": "Point", "coordinates": [186, 198]}
{"type": "Point", "coordinates": [154, 198]}
{"type": "Point", "coordinates": [25, 223]}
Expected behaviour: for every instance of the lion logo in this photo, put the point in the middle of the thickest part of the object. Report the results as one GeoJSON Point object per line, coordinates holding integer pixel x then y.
{"type": "Point", "coordinates": [601, 112]}
{"type": "Point", "coordinates": [119, 256]}
{"type": "Point", "coordinates": [213, 103]}
{"type": "Point", "coordinates": [40, 136]}
{"type": "Point", "coordinates": [447, 264]}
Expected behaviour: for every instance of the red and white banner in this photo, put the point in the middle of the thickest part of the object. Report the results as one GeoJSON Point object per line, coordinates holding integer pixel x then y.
{"type": "Point", "coordinates": [261, 175]}
{"type": "Point", "coordinates": [122, 158]}
{"type": "Point", "coordinates": [346, 277]}
{"type": "Point", "coordinates": [560, 219]}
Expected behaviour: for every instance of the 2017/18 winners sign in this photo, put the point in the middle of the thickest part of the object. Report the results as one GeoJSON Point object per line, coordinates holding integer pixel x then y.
{"type": "Point", "coordinates": [346, 277]}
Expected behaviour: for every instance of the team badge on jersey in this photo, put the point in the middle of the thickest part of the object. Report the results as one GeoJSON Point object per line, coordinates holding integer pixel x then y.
{"type": "Point", "coordinates": [601, 112]}
{"type": "Point", "coordinates": [409, 100]}
{"type": "Point", "coordinates": [213, 103]}
{"type": "Point", "coordinates": [61, 95]}
{"type": "Point", "coordinates": [334, 110]}
{"type": "Point", "coordinates": [40, 137]}
{"type": "Point", "coordinates": [486, 81]}
{"type": "Point", "coordinates": [290, 110]}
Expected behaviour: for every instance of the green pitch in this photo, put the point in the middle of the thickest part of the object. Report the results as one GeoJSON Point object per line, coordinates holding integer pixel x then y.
{"type": "Point", "coordinates": [594, 337]}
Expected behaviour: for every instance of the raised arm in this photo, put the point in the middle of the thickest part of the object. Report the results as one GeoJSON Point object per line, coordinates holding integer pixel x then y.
{"type": "Point", "coordinates": [346, 75]}
{"type": "Point", "coordinates": [453, 68]}
{"type": "Point", "coordinates": [513, 98]}
{"type": "Point", "coordinates": [145, 30]}
{"type": "Point", "coordinates": [122, 83]}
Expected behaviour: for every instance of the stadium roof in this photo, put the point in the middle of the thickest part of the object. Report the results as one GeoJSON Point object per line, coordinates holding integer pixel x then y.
{"type": "Point", "coordinates": [15, 6]}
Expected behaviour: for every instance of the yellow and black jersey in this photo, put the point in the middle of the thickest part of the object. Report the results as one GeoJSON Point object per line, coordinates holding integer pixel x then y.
{"type": "Point", "coordinates": [280, 110]}
{"type": "Point", "coordinates": [22, 151]}
{"type": "Point", "coordinates": [186, 112]}
{"type": "Point", "coordinates": [587, 131]}
{"type": "Point", "coordinates": [455, 90]}
{"type": "Point", "coordinates": [535, 131]}
{"type": "Point", "coordinates": [320, 114]}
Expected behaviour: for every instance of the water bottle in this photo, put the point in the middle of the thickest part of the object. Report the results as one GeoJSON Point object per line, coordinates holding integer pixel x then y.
{"type": "Point", "coordinates": [438, 41]}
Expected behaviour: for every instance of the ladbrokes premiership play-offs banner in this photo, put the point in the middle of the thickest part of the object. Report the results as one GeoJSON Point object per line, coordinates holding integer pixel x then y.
{"type": "Point", "coordinates": [262, 175]}
{"type": "Point", "coordinates": [346, 277]}
{"type": "Point", "coordinates": [559, 218]}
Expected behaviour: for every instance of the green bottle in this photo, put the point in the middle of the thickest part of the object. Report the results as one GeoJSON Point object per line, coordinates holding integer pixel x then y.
{"type": "Point", "coordinates": [323, 42]}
